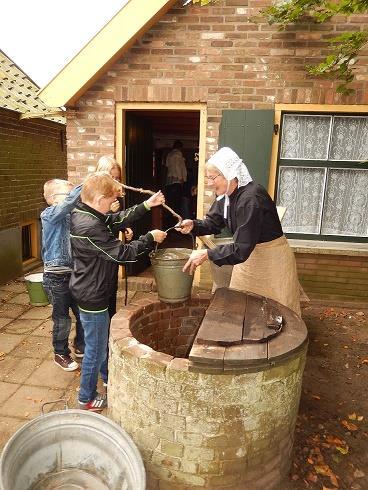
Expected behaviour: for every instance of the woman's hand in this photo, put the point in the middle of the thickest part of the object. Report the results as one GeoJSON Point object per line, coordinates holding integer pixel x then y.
{"type": "Point", "coordinates": [186, 226]}
{"type": "Point", "coordinates": [128, 234]}
{"type": "Point", "coordinates": [115, 206]}
{"type": "Point", "coordinates": [197, 257]}
{"type": "Point", "coordinates": [156, 200]}
{"type": "Point", "coordinates": [158, 235]}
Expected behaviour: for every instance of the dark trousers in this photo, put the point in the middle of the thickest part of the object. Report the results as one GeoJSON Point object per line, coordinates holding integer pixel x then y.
{"type": "Point", "coordinates": [56, 287]}
{"type": "Point", "coordinates": [174, 195]}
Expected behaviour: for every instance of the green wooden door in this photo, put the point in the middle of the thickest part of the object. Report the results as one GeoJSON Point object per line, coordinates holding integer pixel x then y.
{"type": "Point", "coordinates": [249, 134]}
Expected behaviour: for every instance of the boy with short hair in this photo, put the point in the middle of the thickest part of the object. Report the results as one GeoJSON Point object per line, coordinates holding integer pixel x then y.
{"type": "Point", "coordinates": [97, 253]}
{"type": "Point", "coordinates": [56, 254]}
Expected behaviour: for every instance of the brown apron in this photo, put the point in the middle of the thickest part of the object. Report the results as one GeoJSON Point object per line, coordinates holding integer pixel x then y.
{"type": "Point", "coordinates": [270, 271]}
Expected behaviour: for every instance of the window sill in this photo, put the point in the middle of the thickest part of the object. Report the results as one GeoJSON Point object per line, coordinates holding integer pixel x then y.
{"type": "Point", "coordinates": [329, 248]}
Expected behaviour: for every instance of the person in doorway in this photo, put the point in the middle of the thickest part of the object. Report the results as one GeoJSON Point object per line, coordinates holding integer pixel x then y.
{"type": "Point", "coordinates": [97, 253]}
{"type": "Point", "coordinates": [56, 255]}
{"type": "Point", "coordinates": [176, 176]}
{"type": "Point", "coordinates": [263, 261]}
{"type": "Point", "coordinates": [109, 165]}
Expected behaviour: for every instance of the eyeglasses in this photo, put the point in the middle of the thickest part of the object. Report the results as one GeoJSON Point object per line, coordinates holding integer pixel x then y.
{"type": "Point", "coordinates": [212, 177]}
{"type": "Point", "coordinates": [60, 194]}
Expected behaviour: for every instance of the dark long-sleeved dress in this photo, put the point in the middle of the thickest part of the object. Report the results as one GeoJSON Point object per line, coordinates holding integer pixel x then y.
{"type": "Point", "coordinates": [252, 219]}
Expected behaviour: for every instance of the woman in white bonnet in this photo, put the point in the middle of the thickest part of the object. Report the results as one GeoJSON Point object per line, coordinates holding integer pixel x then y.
{"type": "Point", "coordinates": [263, 261]}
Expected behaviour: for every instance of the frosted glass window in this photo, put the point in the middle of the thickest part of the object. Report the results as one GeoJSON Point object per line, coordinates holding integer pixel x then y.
{"type": "Point", "coordinates": [349, 140]}
{"type": "Point", "coordinates": [346, 203]}
{"type": "Point", "coordinates": [301, 192]}
{"type": "Point", "coordinates": [305, 137]}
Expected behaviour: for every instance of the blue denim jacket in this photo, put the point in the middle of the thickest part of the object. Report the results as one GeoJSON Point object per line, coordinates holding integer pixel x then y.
{"type": "Point", "coordinates": [55, 221]}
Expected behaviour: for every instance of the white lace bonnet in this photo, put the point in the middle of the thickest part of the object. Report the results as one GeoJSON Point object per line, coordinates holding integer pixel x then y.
{"type": "Point", "coordinates": [231, 167]}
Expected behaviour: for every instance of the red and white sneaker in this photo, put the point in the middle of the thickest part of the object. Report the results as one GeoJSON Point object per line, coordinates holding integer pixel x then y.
{"type": "Point", "coordinates": [96, 405]}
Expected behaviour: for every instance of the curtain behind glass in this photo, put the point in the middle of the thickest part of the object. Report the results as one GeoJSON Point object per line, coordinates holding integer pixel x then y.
{"type": "Point", "coordinates": [305, 137]}
{"type": "Point", "coordinates": [346, 203]}
{"type": "Point", "coordinates": [349, 140]}
{"type": "Point", "coordinates": [301, 192]}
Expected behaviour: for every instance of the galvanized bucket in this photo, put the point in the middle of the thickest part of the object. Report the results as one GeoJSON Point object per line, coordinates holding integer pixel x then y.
{"type": "Point", "coordinates": [71, 449]}
{"type": "Point", "coordinates": [173, 285]}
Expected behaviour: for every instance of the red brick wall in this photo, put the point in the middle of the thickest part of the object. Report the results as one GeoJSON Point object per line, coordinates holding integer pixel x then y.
{"type": "Point", "coordinates": [212, 55]}
{"type": "Point", "coordinates": [334, 276]}
{"type": "Point", "coordinates": [216, 56]}
{"type": "Point", "coordinates": [31, 152]}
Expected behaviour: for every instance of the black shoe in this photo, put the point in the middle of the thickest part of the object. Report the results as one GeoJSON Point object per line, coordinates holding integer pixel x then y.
{"type": "Point", "coordinates": [78, 352]}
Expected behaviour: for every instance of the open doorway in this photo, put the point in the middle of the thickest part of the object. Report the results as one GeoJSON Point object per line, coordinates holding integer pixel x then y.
{"type": "Point", "coordinates": [148, 136]}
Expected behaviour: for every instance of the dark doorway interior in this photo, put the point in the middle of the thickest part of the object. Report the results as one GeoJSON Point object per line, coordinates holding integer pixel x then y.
{"type": "Point", "coordinates": [150, 136]}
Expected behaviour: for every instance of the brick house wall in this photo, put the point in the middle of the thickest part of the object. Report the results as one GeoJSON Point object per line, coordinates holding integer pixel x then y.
{"type": "Point", "coordinates": [216, 56]}
{"type": "Point", "coordinates": [31, 152]}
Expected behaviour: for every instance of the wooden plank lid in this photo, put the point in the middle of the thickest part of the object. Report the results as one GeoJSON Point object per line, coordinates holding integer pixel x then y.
{"type": "Point", "coordinates": [248, 330]}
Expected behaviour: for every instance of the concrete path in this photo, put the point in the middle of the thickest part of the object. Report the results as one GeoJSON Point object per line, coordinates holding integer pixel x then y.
{"type": "Point", "coordinates": [28, 375]}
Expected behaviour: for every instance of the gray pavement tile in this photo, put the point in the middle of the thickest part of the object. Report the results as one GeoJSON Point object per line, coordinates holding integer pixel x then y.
{"type": "Point", "coordinates": [8, 310]}
{"type": "Point", "coordinates": [49, 374]}
{"type": "Point", "coordinates": [37, 313]}
{"type": "Point", "coordinates": [6, 390]}
{"type": "Point", "coordinates": [6, 295]}
{"type": "Point", "coordinates": [9, 341]}
{"type": "Point", "coordinates": [4, 321]}
{"type": "Point", "coordinates": [44, 330]}
{"type": "Point", "coordinates": [20, 299]}
{"type": "Point", "coordinates": [33, 346]}
{"type": "Point", "coordinates": [8, 426]}
{"type": "Point", "coordinates": [23, 327]}
{"type": "Point", "coordinates": [14, 286]}
{"type": "Point", "coordinates": [16, 370]}
{"type": "Point", "coordinates": [27, 400]}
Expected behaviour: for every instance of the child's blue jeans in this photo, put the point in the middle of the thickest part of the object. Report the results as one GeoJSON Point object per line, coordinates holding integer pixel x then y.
{"type": "Point", "coordinates": [56, 287]}
{"type": "Point", "coordinates": [96, 334]}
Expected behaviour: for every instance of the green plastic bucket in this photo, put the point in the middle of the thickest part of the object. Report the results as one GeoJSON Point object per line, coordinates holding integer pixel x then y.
{"type": "Point", "coordinates": [37, 295]}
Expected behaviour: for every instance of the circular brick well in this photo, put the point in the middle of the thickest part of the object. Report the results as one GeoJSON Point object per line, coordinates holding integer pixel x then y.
{"type": "Point", "coordinates": [200, 426]}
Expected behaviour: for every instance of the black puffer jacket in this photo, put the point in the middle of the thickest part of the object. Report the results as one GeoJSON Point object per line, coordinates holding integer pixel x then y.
{"type": "Point", "coordinates": [97, 253]}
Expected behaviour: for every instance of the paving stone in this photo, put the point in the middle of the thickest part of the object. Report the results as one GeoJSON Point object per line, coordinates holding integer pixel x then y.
{"type": "Point", "coordinates": [8, 310]}
{"type": "Point", "coordinates": [44, 330]}
{"type": "Point", "coordinates": [27, 400]}
{"type": "Point", "coordinates": [14, 286]}
{"type": "Point", "coordinates": [9, 341]}
{"type": "Point", "coordinates": [33, 346]}
{"type": "Point", "coordinates": [17, 370]}
{"type": "Point", "coordinates": [8, 426]}
{"type": "Point", "coordinates": [38, 313]}
{"type": "Point", "coordinates": [20, 299]}
{"type": "Point", "coordinates": [6, 295]}
{"type": "Point", "coordinates": [6, 390]}
{"type": "Point", "coordinates": [48, 374]}
{"type": "Point", "coordinates": [4, 321]}
{"type": "Point", "coordinates": [23, 327]}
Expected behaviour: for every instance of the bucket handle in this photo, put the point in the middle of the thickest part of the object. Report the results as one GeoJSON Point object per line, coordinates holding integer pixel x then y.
{"type": "Point", "coordinates": [194, 245]}
{"type": "Point", "coordinates": [66, 407]}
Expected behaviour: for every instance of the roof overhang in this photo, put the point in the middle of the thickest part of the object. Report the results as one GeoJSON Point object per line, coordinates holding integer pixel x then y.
{"type": "Point", "coordinates": [104, 49]}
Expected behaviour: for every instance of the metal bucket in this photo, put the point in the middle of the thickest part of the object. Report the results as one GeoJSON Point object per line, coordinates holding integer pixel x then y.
{"type": "Point", "coordinates": [173, 285]}
{"type": "Point", "coordinates": [71, 450]}
{"type": "Point", "coordinates": [37, 295]}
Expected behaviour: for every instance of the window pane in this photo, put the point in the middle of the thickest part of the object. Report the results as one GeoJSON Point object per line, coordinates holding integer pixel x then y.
{"type": "Point", "coordinates": [305, 137]}
{"type": "Point", "coordinates": [301, 192]}
{"type": "Point", "coordinates": [349, 140]}
{"type": "Point", "coordinates": [346, 203]}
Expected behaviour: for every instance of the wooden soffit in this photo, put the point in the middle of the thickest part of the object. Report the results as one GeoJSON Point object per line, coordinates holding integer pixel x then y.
{"type": "Point", "coordinates": [104, 49]}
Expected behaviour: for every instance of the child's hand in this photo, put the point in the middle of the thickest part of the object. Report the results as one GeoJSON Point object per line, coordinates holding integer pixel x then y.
{"type": "Point", "coordinates": [158, 235]}
{"type": "Point", "coordinates": [115, 206]}
{"type": "Point", "coordinates": [128, 234]}
{"type": "Point", "coordinates": [156, 200]}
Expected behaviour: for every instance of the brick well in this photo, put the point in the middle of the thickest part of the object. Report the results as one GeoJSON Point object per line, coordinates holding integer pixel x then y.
{"type": "Point", "coordinates": [196, 427]}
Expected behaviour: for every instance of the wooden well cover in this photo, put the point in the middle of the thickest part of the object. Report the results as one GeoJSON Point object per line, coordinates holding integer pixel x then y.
{"type": "Point", "coordinates": [243, 329]}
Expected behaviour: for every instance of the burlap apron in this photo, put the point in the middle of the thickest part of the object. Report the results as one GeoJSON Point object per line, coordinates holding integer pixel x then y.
{"type": "Point", "coordinates": [270, 271]}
